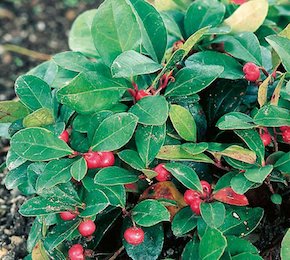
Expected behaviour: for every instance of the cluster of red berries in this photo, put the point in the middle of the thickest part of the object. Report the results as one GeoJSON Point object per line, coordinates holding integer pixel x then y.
{"type": "Point", "coordinates": [251, 71]}
{"type": "Point", "coordinates": [194, 198]}
{"type": "Point", "coordinates": [285, 134]}
{"type": "Point", "coordinates": [266, 138]}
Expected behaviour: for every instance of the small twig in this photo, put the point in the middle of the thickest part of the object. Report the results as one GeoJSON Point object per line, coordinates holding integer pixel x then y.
{"type": "Point", "coordinates": [117, 253]}
{"type": "Point", "coordinates": [26, 52]}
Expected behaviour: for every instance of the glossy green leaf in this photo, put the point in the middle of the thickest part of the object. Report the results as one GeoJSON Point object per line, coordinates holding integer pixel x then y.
{"type": "Point", "coordinates": [16, 177]}
{"type": "Point", "coordinates": [114, 132]}
{"type": "Point", "coordinates": [146, 108]}
{"type": "Point", "coordinates": [79, 169]}
{"type": "Point", "coordinates": [241, 184]}
{"type": "Point", "coordinates": [285, 246]}
{"type": "Point", "coordinates": [13, 160]}
{"type": "Point", "coordinates": [184, 221]}
{"type": "Point", "coordinates": [33, 92]}
{"type": "Point", "coordinates": [34, 235]}
{"type": "Point", "coordinates": [191, 250]}
{"type": "Point", "coordinates": [40, 117]}
{"type": "Point", "coordinates": [212, 245]}
{"type": "Point", "coordinates": [194, 148]}
{"type": "Point", "coordinates": [149, 140]}
{"type": "Point", "coordinates": [114, 176]}
{"type": "Point", "coordinates": [238, 246]}
{"type": "Point", "coordinates": [186, 175]}
{"type": "Point", "coordinates": [235, 120]}
{"type": "Point", "coordinates": [193, 79]}
{"type": "Point", "coordinates": [11, 111]}
{"type": "Point", "coordinates": [171, 25]}
{"type": "Point", "coordinates": [132, 63]}
{"type": "Point", "coordinates": [115, 29]}
{"type": "Point", "coordinates": [213, 214]}
{"type": "Point", "coordinates": [132, 158]}
{"type": "Point", "coordinates": [203, 13]}
{"type": "Point", "coordinates": [183, 122]}
{"type": "Point", "coordinates": [247, 256]}
{"type": "Point", "coordinates": [91, 91]}
{"type": "Point", "coordinates": [150, 212]}
{"type": "Point", "coordinates": [283, 164]}
{"type": "Point", "coordinates": [38, 144]}
{"type": "Point", "coordinates": [153, 31]}
{"type": "Point", "coordinates": [232, 68]}
{"type": "Point", "coordinates": [258, 175]}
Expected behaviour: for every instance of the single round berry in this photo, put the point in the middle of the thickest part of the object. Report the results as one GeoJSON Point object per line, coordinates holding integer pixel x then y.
{"type": "Point", "coordinates": [76, 252]}
{"type": "Point", "coordinates": [285, 128]}
{"type": "Point", "coordinates": [286, 136]}
{"type": "Point", "coordinates": [190, 196]}
{"type": "Point", "coordinates": [251, 71]}
{"type": "Point", "coordinates": [64, 136]}
{"type": "Point", "coordinates": [107, 159]}
{"type": "Point", "coordinates": [266, 138]}
{"type": "Point", "coordinates": [87, 228]}
{"type": "Point", "coordinates": [239, 2]}
{"type": "Point", "coordinates": [162, 173]}
{"type": "Point", "coordinates": [134, 235]}
{"type": "Point", "coordinates": [141, 94]}
{"type": "Point", "coordinates": [206, 187]}
{"type": "Point", "coordinates": [93, 160]}
{"type": "Point", "coordinates": [195, 206]}
{"type": "Point", "coordinates": [66, 215]}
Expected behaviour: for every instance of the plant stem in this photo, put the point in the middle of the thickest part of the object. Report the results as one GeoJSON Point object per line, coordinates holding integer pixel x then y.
{"type": "Point", "coordinates": [117, 253]}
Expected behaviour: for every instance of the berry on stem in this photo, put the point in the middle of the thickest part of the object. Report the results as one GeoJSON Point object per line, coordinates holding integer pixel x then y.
{"type": "Point", "coordinates": [251, 71]}
{"type": "Point", "coordinates": [206, 187]}
{"type": "Point", "coordinates": [162, 173]}
{"type": "Point", "coordinates": [87, 228]}
{"type": "Point", "coordinates": [285, 128]}
{"type": "Point", "coordinates": [266, 138]}
{"type": "Point", "coordinates": [64, 136]}
{"type": "Point", "coordinates": [93, 160]}
{"type": "Point", "coordinates": [76, 252]}
{"type": "Point", "coordinates": [66, 215]}
{"type": "Point", "coordinates": [190, 196]}
{"type": "Point", "coordinates": [134, 235]}
{"type": "Point", "coordinates": [286, 136]}
{"type": "Point", "coordinates": [107, 159]}
{"type": "Point", "coordinates": [195, 206]}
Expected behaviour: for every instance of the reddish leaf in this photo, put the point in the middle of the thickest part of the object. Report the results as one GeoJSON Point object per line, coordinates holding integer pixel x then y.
{"type": "Point", "coordinates": [227, 195]}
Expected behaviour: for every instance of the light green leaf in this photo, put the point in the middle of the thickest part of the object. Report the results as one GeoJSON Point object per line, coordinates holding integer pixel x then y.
{"type": "Point", "coordinates": [11, 111]}
{"type": "Point", "coordinates": [79, 169]}
{"type": "Point", "coordinates": [213, 213]}
{"type": "Point", "coordinates": [40, 117]}
{"type": "Point", "coordinates": [258, 175]}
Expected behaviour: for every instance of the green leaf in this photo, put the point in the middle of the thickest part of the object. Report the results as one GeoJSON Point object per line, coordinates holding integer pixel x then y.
{"type": "Point", "coordinates": [183, 122]}
{"type": "Point", "coordinates": [151, 110]}
{"type": "Point", "coordinates": [194, 148]}
{"type": "Point", "coordinates": [238, 246]}
{"type": "Point", "coordinates": [283, 164]}
{"type": "Point", "coordinates": [193, 79]}
{"type": "Point", "coordinates": [258, 175]}
{"type": "Point", "coordinates": [42, 206]}
{"type": "Point", "coordinates": [282, 46]}
{"type": "Point", "coordinates": [276, 199]}
{"type": "Point", "coordinates": [92, 91]}
{"type": "Point", "coordinates": [247, 256]}
{"type": "Point", "coordinates": [153, 31]}
{"type": "Point", "coordinates": [33, 92]}
{"type": "Point", "coordinates": [114, 132]}
{"type": "Point", "coordinates": [191, 250]}
{"type": "Point", "coordinates": [272, 116]}
{"type": "Point", "coordinates": [132, 63]}
{"type": "Point", "coordinates": [80, 36]}
{"type": "Point", "coordinates": [34, 235]}
{"type": "Point", "coordinates": [55, 172]}
{"type": "Point", "coordinates": [235, 120]}
{"type": "Point", "coordinates": [203, 13]}
{"type": "Point", "coordinates": [171, 25]}
{"type": "Point", "coordinates": [184, 221]}
{"type": "Point", "coordinates": [213, 214]}
{"type": "Point", "coordinates": [115, 29]}
{"type": "Point", "coordinates": [149, 140]}
{"type": "Point", "coordinates": [285, 248]}
{"type": "Point", "coordinates": [232, 68]}
{"type": "Point", "coordinates": [40, 117]}
{"type": "Point", "coordinates": [244, 46]}
{"type": "Point", "coordinates": [114, 175]}
{"type": "Point", "coordinates": [212, 245]}
{"type": "Point", "coordinates": [16, 177]}
{"type": "Point", "coordinates": [79, 169]}
{"type": "Point", "coordinates": [152, 245]}
{"type": "Point", "coordinates": [11, 111]}
{"type": "Point", "coordinates": [150, 212]}
{"type": "Point", "coordinates": [132, 158]}
{"type": "Point", "coordinates": [241, 184]}
{"type": "Point", "coordinates": [186, 175]}
{"type": "Point", "coordinates": [60, 233]}
{"type": "Point", "coordinates": [241, 221]}
{"type": "Point", "coordinates": [38, 144]}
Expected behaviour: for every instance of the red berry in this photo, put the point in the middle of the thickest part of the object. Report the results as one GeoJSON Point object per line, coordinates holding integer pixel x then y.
{"type": "Point", "coordinates": [206, 187]}
{"type": "Point", "coordinates": [251, 71]}
{"type": "Point", "coordinates": [286, 136]}
{"type": "Point", "coordinates": [195, 206]}
{"type": "Point", "coordinates": [239, 2]}
{"type": "Point", "coordinates": [87, 228]}
{"type": "Point", "coordinates": [162, 173]}
{"type": "Point", "coordinates": [64, 136]}
{"type": "Point", "coordinates": [190, 196]}
{"type": "Point", "coordinates": [76, 252]}
{"type": "Point", "coordinates": [66, 215]}
{"type": "Point", "coordinates": [285, 128]}
{"type": "Point", "coordinates": [93, 160]}
{"type": "Point", "coordinates": [266, 138]}
{"type": "Point", "coordinates": [134, 236]}
{"type": "Point", "coordinates": [140, 94]}
{"type": "Point", "coordinates": [107, 159]}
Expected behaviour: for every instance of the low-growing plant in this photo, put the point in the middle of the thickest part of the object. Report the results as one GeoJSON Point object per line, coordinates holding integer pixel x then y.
{"type": "Point", "coordinates": [158, 135]}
